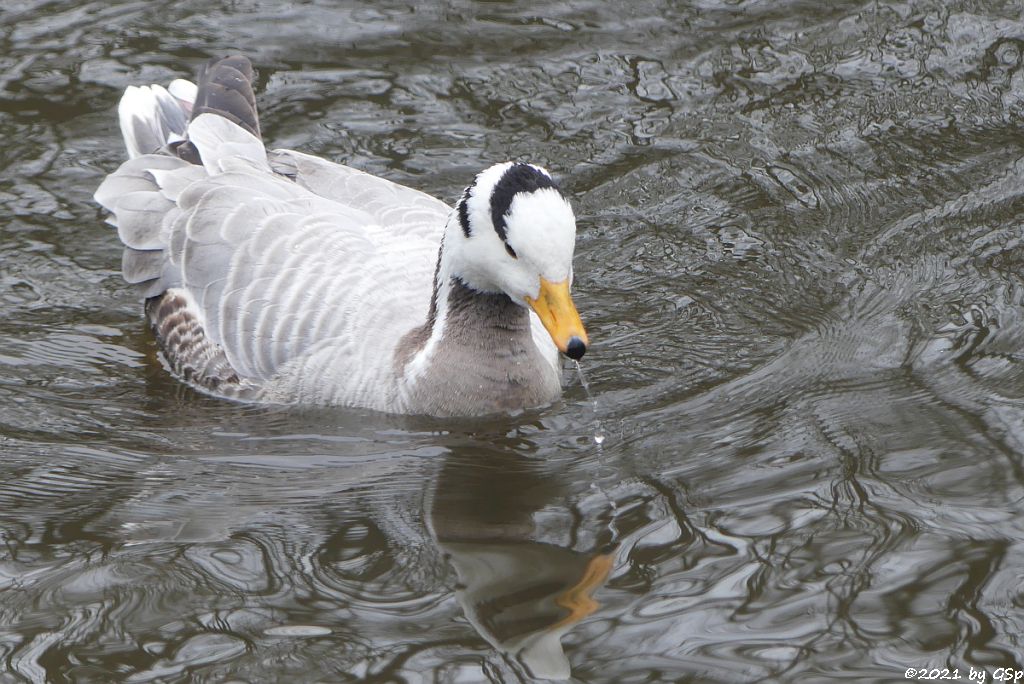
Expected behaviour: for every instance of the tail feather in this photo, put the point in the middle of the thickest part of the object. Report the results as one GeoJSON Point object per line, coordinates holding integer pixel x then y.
{"type": "Point", "coordinates": [225, 89]}
{"type": "Point", "coordinates": [184, 92]}
{"type": "Point", "coordinates": [155, 119]}
{"type": "Point", "coordinates": [151, 118]}
{"type": "Point", "coordinates": [177, 137]}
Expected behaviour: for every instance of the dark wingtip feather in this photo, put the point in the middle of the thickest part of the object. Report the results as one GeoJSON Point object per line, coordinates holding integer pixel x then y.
{"type": "Point", "coordinates": [225, 89]}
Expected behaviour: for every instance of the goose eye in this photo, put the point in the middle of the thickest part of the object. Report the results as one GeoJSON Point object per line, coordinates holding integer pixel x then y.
{"type": "Point", "coordinates": [511, 252]}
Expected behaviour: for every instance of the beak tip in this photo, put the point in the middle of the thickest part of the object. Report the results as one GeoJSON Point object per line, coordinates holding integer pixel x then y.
{"type": "Point", "coordinates": [576, 348]}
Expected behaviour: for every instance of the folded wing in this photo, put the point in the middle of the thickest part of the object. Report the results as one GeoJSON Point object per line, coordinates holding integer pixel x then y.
{"type": "Point", "coordinates": [278, 261]}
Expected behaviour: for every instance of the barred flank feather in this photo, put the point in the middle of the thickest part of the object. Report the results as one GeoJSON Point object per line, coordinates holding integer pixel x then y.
{"type": "Point", "coordinates": [192, 356]}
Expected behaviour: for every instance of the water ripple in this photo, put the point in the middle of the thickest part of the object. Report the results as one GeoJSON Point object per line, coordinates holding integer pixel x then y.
{"type": "Point", "coordinates": [799, 259]}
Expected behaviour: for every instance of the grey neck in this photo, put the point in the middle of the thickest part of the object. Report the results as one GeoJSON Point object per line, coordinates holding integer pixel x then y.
{"type": "Point", "coordinates": [476, 317]}
{"type": "Point", "coordinates": [485, 361]}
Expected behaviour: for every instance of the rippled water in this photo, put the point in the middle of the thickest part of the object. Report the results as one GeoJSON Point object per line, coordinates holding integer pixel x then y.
{"type": "Point", "coordinates": [800, 263]}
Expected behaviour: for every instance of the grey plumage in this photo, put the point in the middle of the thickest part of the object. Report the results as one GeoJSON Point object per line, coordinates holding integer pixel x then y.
{"type": "Point", "coordinates": [283, 277]}
{"type": "Point", "coordinates": [458, 384]}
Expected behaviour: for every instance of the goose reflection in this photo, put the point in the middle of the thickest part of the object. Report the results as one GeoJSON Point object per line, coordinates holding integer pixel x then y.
{"type": "Point", "coordinates": [529, 562]}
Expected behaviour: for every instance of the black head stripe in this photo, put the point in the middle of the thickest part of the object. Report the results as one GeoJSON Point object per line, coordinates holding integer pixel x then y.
{"type": "Point", "coordinates": [516, 179]}
{"type": "Point", "coordinates": [464, 211]}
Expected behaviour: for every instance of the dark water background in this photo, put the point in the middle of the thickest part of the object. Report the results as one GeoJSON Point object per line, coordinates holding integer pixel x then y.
{"type": "Point", "coordinates": [800, 263]}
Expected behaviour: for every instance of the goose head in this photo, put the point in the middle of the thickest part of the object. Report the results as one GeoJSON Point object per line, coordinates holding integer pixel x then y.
{"type": "Point", "coordinates": [515, 234]}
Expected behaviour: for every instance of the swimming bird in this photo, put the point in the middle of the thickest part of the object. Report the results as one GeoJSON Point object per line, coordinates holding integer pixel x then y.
{"type": "Point", "coordinates": [282, 277]}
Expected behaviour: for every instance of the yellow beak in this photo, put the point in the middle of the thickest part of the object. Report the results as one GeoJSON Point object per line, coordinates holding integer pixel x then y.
{"type": "Point", "coordinates": [556, 311]}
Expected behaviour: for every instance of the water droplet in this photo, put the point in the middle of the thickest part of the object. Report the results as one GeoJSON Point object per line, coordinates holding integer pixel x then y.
{"type": "Point", "coordinates": [598, 432]}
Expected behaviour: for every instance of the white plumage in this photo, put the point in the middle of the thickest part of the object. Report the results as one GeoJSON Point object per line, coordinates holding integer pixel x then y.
{"type": "Point", "coordinates": [283, 277]}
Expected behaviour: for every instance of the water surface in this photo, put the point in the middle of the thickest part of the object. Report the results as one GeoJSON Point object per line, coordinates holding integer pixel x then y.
{"type": "Point", "coordinates": [800, 264]}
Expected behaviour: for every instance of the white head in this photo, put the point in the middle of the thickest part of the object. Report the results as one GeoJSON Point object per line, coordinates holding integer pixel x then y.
{"type": "Point", "coordinates": [515, 234]}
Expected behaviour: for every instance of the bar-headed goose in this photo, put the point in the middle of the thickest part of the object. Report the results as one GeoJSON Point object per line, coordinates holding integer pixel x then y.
{"type": "Point", "coordinates": [282, 277]}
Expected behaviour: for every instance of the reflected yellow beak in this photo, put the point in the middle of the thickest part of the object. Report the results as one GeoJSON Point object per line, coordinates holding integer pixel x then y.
{"type": "Point", "coordinates": [579, 599]}
{"type": "Point", "coordinates": [556, 311]}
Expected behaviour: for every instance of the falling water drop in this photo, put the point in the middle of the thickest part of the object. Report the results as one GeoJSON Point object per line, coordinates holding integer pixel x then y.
{"type": "Point", "coordinates": [598, 437]}
{"type": "Point", "coordinates": [598, 428]}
